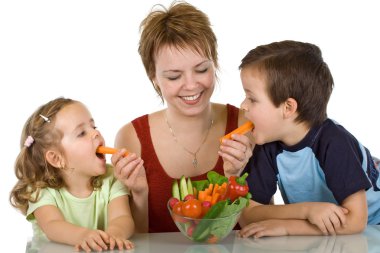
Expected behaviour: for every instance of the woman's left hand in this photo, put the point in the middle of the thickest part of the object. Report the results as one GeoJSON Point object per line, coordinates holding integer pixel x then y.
{"type": "Point", "coordinates": [235, 153]}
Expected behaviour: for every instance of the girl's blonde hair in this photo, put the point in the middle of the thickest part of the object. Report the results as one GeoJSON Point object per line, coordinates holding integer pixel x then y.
{"type": "Point", "coordinates": [181, 26]}
{"type": "Point", "coordinates": [31, 168]}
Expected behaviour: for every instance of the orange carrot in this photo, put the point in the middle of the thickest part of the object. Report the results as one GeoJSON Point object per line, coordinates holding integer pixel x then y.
{"type": "Point", "coordinates": [243, 129]}
{"type": "Point", "coordinates": [214, 198]}
{"type": "Point", "coordinates": [202, 195]}
{"type": "Point", "coordinates": [107, 150]}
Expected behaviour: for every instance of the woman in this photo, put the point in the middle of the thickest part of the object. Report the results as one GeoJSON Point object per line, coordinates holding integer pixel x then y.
{"type": "Point", "coordinates": [178, 50]}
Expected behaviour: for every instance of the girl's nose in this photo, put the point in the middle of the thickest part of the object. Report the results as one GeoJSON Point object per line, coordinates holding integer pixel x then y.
{"type": "Point", "coordinates": [95, 134]}
{"type": "Point", "coordinates": [243, 106]}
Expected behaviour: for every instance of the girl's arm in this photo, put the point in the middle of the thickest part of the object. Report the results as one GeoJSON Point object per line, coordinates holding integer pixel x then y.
{"type": "Point", "coordinates": [52, 223]}
{"type": "Point", "coordinates": [120, 223]}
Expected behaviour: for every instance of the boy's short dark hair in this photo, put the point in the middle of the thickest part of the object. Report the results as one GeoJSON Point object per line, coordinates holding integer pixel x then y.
{"type": "Point", "coordinates": [294, 70]}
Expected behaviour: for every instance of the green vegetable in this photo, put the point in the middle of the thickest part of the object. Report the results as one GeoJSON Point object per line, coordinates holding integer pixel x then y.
{"type": "Point", "coordinates": [189, 187]}
{"type": "Point", "coordinates": [175, 190]}
{"type": "Point", "coordinates": [183, 187]}
{"type": "Point", "coordinates": [202, 230]}
{"type": "Point", "coordinates": [215, 178]}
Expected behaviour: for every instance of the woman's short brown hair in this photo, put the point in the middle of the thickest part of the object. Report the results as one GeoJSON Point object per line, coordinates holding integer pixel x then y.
{"type": "Point", "coordinates": [181, 25]}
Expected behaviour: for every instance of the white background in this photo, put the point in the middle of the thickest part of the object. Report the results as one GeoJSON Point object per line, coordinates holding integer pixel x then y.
{"type": "Point", "coordinates": [87, 50]}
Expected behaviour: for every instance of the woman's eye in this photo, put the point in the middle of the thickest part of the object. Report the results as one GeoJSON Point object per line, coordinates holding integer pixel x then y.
{"type": "Point", "coordinates": [173, 78]}
{"type": "Point", "coordinates": [202, 70]}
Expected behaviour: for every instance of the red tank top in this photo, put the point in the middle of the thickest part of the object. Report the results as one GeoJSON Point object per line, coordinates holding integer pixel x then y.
{"type": "Point", "coordinates": [159, 182]}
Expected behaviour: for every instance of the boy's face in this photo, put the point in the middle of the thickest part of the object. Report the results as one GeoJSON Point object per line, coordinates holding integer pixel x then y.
{"type": "Point", "coordinates": [259, 108]}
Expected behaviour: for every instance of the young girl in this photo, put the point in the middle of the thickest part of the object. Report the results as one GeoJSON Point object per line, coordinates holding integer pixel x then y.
{"type": "Point", "coordinates": [64, 187]}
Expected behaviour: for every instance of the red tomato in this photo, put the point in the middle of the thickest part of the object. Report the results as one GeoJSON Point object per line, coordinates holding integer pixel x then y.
{"type": "Point", "coordinates": [206, 205]}
{"type": "Point", "coordinates": [177, 208]}
{"type": "Point", "coordinates": [192, 208]}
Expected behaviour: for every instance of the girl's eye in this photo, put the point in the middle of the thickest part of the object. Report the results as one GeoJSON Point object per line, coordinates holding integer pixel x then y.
{"type": "Point", "coordinates": [81, 134]}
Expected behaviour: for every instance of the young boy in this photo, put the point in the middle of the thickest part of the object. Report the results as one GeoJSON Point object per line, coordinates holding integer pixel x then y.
{"type": "Point", "coordinates": [327, 179]}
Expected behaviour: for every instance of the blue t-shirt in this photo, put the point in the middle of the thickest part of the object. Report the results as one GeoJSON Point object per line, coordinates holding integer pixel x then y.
{"type": "Point", "coordinates": [328, 165]}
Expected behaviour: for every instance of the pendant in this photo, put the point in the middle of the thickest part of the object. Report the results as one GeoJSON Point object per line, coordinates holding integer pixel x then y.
{"type": "Point", "coordinates": [195, 162]}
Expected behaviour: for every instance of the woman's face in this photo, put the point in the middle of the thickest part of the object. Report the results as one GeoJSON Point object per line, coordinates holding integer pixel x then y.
{"type": "Point", "coordinates": [185, 78]}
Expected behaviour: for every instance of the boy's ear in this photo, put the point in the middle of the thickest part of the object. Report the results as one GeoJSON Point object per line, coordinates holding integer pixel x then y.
{"type": "Point", "coordinates": [54, 159]}
{"type": "Point", "coordinates": [290, 107]}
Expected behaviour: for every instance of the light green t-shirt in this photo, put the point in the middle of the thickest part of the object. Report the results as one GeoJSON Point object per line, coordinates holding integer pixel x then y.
{"type": "Point", "coordinates": [90, 212]}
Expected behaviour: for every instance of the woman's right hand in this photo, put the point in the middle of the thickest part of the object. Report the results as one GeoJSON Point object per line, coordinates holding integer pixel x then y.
{"type": "Point", "coordinates": [130, 171]}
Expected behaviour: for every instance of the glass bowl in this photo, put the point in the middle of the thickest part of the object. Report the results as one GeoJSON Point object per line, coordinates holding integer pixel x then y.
{"type": "Point", "coordinates": [205, 230]}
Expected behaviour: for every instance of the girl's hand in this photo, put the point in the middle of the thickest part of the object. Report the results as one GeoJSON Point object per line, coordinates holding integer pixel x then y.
{"type": "Point", "coordinates": [235, 153]}
{"type": "Point", "coordinates": [130, 171]}
{"type": "Point", "coordinates": [328, 217]}
{"type": "Point", "coordinates": [264, 228]}
{"type": "Point", "coordinates": [121, 243]}
{"type": "Point", "coordinates": [96, 240]}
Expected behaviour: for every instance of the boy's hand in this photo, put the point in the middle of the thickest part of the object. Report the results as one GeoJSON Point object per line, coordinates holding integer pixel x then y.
{"type": "Point", "coordinates": [328, 217]}
{"type": "Point", "coordinates": [235, 153]}
{"type": "Point", "coordinates": [264, 228]}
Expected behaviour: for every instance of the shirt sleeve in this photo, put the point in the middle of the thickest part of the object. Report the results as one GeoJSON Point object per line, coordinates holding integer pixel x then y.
{"type": "Point", "coordinates": [344, 160]}
{"type": "Point", "coordinates": [45, 198]}
{"type": "Point", "coordinates": [262, 179]}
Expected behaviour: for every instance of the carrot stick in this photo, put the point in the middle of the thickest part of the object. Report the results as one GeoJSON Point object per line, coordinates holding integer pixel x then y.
{"type": "Point", "coordinates": [107, 150]}
{"type": "Point", "coordinates": [243, 129]}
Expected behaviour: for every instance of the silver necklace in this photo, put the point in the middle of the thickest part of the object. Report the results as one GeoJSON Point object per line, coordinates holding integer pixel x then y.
{"type": "Point", "coordinates": [194, 154]}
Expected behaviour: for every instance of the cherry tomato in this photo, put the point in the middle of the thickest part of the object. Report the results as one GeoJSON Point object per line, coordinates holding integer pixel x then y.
{"type": "Point", "coordinates": [192, 208]}
{"type": "Point", "coordinates": [177, 208]}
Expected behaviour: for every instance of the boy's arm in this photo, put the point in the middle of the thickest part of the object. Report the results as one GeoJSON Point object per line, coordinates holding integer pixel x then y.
{"type": "Point", "coordinates": [293, 219]}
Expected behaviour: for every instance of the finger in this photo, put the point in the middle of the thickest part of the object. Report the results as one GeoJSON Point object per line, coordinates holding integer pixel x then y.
{"type": "Point", "coordinates": [329, 226]}
{"type": "Point", "coordinates": [84, 245]}
{"type": "Point", "coordinates": [129, 244]}
{"type": "Point", "coordinates": [342, 216]}
{"type": "Point", "coordinates": [321, 226]}
{"type": "Point", "coordinates": [335, 221]}
{"type": "Point", "coordinates": [136, 171]}
{"type": "Point", "coordinates": [112, 243]}
{"type": "Point", "coordinates": [126, 165]}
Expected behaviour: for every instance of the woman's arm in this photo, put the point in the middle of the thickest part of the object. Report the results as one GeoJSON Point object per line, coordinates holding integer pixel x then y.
{"type": "Point", "coordinates": [131, 172]}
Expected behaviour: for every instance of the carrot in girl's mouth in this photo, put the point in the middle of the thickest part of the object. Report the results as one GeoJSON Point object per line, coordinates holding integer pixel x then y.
{"type": "Point", "coordinates": [108, 150]}
{"type": "Point", "coordinates": [243, 129]}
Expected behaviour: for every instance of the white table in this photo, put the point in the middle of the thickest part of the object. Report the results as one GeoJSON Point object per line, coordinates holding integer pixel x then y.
{"type": "Point", "coordinates": [368, 241]}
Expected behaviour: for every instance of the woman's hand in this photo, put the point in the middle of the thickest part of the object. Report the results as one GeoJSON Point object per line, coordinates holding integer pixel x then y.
{"type": "Point", "coordinates": [235, 153]}
{"type": "Point", "coordinates": [130, 171]}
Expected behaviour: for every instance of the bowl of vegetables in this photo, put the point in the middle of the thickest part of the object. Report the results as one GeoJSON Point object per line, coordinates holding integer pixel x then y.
{"type": "Point", "coordinates": [206, 211]}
